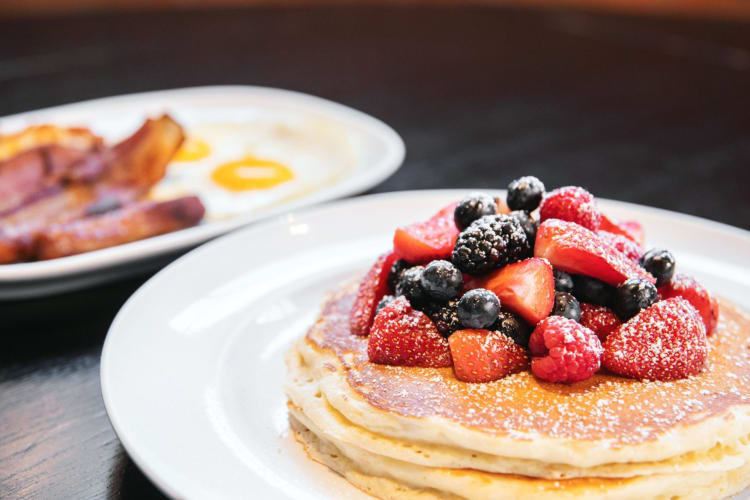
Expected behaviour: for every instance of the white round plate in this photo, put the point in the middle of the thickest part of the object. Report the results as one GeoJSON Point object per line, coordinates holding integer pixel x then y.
{"type": "Point", "coordinates": [192, 367]}
{"type": "Point", "coordinates": [377, 151]}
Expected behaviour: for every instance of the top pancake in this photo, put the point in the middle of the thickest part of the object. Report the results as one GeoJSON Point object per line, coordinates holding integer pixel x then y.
{"type": "Point", "coordinates": [618, 411]}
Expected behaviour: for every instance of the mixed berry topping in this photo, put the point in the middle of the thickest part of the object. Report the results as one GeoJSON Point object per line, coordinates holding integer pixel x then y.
{"type": "Point", "coordinates": [482, 286]}
{"type": "Point", "coordinates": [488, 243]}
{"type": "Point", "coordinates": [473, 207]}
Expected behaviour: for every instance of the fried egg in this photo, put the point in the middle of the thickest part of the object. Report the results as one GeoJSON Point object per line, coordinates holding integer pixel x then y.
{"type": "Point", "coordinates": [241, 164]}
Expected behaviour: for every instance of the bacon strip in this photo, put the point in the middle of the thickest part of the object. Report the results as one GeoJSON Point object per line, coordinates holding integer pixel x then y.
{"type": "Point", "coordinates": [134, 222]}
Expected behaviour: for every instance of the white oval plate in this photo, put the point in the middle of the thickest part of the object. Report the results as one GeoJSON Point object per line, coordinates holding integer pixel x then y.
{"type": "Point", "coordinates": [192, 367]}
{"type": "Point", "coordinates": [377, 149]}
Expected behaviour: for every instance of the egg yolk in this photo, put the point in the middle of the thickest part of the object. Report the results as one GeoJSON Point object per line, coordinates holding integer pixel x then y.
{"type": "Point", "coordinates": [251, 173]}
{"type": "Point", "coordinates": [193, 149]}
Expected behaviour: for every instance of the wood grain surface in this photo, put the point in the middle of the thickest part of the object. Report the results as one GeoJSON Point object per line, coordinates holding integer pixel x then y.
{"type": "Point", "coordinates": [646, 110]}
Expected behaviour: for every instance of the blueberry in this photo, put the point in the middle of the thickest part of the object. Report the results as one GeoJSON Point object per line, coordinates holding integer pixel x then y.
{"type": "Point", "coordinates": [472, 207]}
{"type": "Point", "coordinates": [632, 296]}
{"type": "Point", "coordinates": [525, 193]}
{"type": "Point", "coordinates": [512, 326]}
{"type": "Point", "coordinates": [660, 263]}
{"type": "Point", "coordinates": [394, 275]}
{"type": "Point", "coordinates": [410, 285]}
{"type": "Point", "coordinates": [528, 224]}
{"type": "Point", "coordinates": [592, 290]}
{"type": "Point", "coordinates": [478, 308]}
{"type": "Point", "coordinates": [563, 281]}
{"type": "Point", "coordinates": [566, 306]}
{"type": "Point", "coordinates": [387, 299]}
{"type": "Point", "coordinates": [441, 280]}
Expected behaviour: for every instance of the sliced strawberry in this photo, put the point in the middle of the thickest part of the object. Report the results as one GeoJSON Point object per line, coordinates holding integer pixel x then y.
{"type": "Point", "coordinates": [573, 204]}
{"type": "Point", "coordinates": [689, 289]}
{"type": "Point", "coordinates": [471, 282]}
{"type": "Point", "coordinates": [425, 241]}
{"type": "Point", "coordinates": [667, 341]}
{"type": "Point", "coordinates": [574, 249]}
{"type": "Point", "coordinates": [484, 356]}
{"type": "Point", "coordinates": [372, 288]}
{"type": "Point", "coordinates": [526, 288]}
{"type": "Point", "coordinates": [630, 229]}
{"type": "Point", "coordinates": [404, 336]}
{"type": "Point", "coordinates": [599, 319]}
{"type": "Point", "coordinates": [625, 245]}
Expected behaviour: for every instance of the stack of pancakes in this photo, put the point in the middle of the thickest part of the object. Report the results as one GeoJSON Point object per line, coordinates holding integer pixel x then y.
{"type": "Point", "coordinates": [404, 432]}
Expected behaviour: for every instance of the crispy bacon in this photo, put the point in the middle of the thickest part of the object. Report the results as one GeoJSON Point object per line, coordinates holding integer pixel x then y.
{"type": "Point", "coordinates": [134, 222]}
{"type": "Point", "coordinates": [52, 186]}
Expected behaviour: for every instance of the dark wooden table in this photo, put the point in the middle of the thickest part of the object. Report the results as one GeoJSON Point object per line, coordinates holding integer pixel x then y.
{"type": "Point", "coordinates": [646, 110]}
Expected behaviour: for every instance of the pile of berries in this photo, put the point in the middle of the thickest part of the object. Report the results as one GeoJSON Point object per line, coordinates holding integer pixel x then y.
{"type": "Point", "coordinates": [540, 279]}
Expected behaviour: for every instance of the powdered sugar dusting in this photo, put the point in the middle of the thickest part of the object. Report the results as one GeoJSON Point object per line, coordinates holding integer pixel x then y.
{"type": "Point", "coordinates": [604, 407]}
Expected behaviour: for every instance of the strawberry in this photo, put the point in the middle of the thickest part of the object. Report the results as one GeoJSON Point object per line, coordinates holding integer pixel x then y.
{"type": "Point", "coordinates": [574, 249]}
{"type": "Point", "coordinates": [689, 289]}
{"type": "Point", "coordinates": [404, 336]}
{"type": "Point", "coordinates": [526, 288]}
{"type": "Point", "coordinates": [667, 341]}
{"type": "Point", "coordinates": [372, 288]}
{"type": "Point", "coordinates": [564, 350]}
{"type": "Point", "coordinates": [625, 245]}
{"type": "Point", "coordinates": [630, 229]}
{"type": "Point", "coordinates": [599, 319]}
{"type": "Point", "coordinates": [484, 356]}
{"type": "Point", "coordinates": [425, 241]}
{"type": "Point", "coordinates": [573, 204]}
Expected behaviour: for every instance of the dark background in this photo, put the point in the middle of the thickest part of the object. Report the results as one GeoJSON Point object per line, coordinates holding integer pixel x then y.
{"type": "Point", "coordinates": [648, 110]}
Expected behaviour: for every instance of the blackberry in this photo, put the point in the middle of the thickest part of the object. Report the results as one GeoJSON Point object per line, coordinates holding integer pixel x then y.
{"type": "Point", "coordinates": [592, 290]}
{"type": "Point", "coordinates": [394, 275]}
{"type": "Point", "coordinates": [445, 316]}
{"type": "Point", "coordinates": [512, 326]}
{"type": "Point", "coordinates": [410, 285]}
{"type": "Point", "coordinates": [387, 299]}
{"type": "Point", "coordinates": [525, 193]}
{"type": "Point", "coordinates": [478, 308]}
{"type": "Point", "coordinates": [528, 224]}
{"type": "Point", "coordinates": [566, 306]}
{"type": "Point", "coordinates": [441, 280]}
{"type": "Point", "coordinates": [563, 281]}
{"type": "Point", "coordinates": [632, 296]}
{"type": "Point", "coordinates": [660, 263]}
{"type": "Point", "coordinates": [472, 207]}
{"type": "Point", "coordinates": [490, 242]}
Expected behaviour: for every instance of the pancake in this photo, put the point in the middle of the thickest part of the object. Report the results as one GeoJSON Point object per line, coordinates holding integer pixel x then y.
{"type": "Point", "coordinates": [422, 429]}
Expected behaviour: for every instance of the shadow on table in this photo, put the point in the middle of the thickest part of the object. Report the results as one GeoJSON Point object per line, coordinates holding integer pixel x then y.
{"type": "Point", "coordinates": [127, 481]}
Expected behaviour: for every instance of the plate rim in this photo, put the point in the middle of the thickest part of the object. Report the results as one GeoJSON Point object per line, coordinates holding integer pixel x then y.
{"type": "Point", "coordinates": [207, 248]}
{"type": "Point", "coordinates": [27, 273]}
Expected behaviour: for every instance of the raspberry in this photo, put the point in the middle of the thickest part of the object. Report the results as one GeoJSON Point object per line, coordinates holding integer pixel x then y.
{"type": "Point", "coordinates": [564, 351]}
{"type": "Point", "coordinates": [689, 289]}
{"type": "Point", "coordinates": [404, 336]}
{"type": "Point", "coordinates": [627, 246]}
{"type": "Point", "coordinates": [573, 204]}
{"type": "Point", "coordinates": [667, 341]}
{"type": "Point", "coordinates": [599, 319]}
{"type": "Point", "coordinates": [484, 356]}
